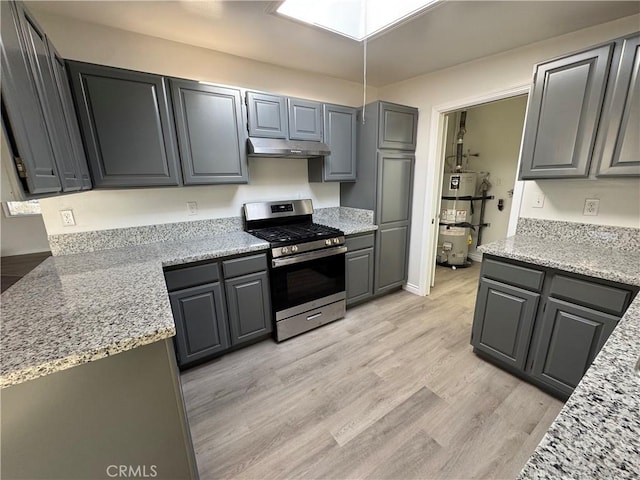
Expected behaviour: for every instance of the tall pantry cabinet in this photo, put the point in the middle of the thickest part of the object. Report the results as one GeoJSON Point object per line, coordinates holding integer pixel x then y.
{"type": "Point", "coordinates": [384, 184]}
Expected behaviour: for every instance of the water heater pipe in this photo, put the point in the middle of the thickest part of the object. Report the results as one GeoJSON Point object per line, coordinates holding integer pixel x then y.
{"type": "Point", "coordinates": [460, 138]}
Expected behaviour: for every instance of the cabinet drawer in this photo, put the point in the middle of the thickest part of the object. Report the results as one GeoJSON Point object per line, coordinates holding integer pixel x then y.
{"type": "Point", "coordinates": [244, 265]}
{"type": "Point", "coordinates": [600, 297]}
{"type": "Point", "coordinates": [191, 276]}
{"type": "Point", "coordinates": [513, 274]}
{"type": "Point", "coordinates": [359, 242]}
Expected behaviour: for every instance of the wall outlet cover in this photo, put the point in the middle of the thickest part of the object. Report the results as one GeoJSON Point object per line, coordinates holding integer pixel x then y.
{"type": "Point", "coordinates": [192, 207]}
{"type": "Point", "coordinates": [538, 201]}
{"type": "Point", "coordinates": [591, 206]}
{"type": "Point", "coordinates": [68, 219]}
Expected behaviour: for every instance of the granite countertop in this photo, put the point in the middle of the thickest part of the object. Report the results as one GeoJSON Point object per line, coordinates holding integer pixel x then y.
{"type": "Point", "coordinates": [597, 433]}
{"type": "Point", "coordinates": [78, 308]}
{"type": "Point", "coordinates": [352, 221]}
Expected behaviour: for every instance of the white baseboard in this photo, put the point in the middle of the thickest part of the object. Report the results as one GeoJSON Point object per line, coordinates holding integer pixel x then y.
{"type": "Point", "coordinates": [411, 288]}
{"type": "Point", "coordinates": [475, 256]}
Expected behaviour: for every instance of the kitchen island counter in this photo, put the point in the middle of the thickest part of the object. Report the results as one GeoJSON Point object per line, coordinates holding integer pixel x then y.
{"type": "Point", "coordinates": [597, 433]}
{"type": "Point", "coordinates": [74, 309]}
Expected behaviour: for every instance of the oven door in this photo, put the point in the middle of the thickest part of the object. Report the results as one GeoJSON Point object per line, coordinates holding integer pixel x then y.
{"type": "Point", "coordinates": [300, 279]}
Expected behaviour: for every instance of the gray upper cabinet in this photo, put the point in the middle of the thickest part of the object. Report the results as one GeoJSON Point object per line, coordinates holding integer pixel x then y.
{"type": "Point", "coordinates": [563, 115]}
{"type": "Point", "coordinates": [503, 321]}
{"type": "Point", "coordinates": [398, 127]}
{"type": "Point", "coordinates": [339, 133]}
{"type": "Point", "coordinates": [619, 135]}
{"type": "Point", "coordinates": [62, 83]}
{"type": "Point", "coordinates": [22, 112]}
{"type": "Point", "coordinates": [210, 125]}
{"type": "Point", "coordinates": [267, 115]}
{"type": "Point", "coordinates": [127, 125]}
{"type": "Point", "coordinates": [305, 120]}
{"type": "Point", "coordinates": [37, 108]}
{"type": "Point", "coordinates": [571, 337]}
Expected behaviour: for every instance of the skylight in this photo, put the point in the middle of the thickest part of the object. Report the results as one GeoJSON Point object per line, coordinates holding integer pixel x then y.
{"type": "Point", "coordinates": [356, 19]}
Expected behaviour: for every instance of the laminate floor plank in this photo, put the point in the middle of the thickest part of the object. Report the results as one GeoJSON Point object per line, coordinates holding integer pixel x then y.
{"type": "Point", "coordinates": [392, 391]}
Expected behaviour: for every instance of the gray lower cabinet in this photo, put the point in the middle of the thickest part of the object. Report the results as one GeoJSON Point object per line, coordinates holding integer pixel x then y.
{"type": "Point", "coordinates": [209, 121]}
{"type": "Point", "coordinates": [563, 115]}
{"type": "Point", "coordinates": [39, 120]}
{"type": "Point", "coordinates": [201, 322]}
{"type": "Point", "coordinates": [571, 337]}
{"type": "Point", "coordinates": [392, 251]}
{"type": "Point", "coordinates": [127, 125]}
{"type": "Point", "coordinates": [359, 268]}
{"type": "Point", "coordinates": [546, 325]}
{"type": "Point", "coordinates": [249, 307]}
{"type": "Point", "coordinates": [339, 134]}
{"type": "Point", "coordinates": [503, 321]}
{"type": "Point", "coordinates": [619, 134]}
{"type": "Point", "coordinates": [218, 306]}
{"type": "Point", "coordinates": [305, 120]}
{"type": "Point", "coordinates": [267, 115]}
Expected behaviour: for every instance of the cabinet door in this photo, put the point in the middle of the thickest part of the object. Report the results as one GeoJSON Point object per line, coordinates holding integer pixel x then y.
{"type": "Point", "coordinates": [249, 306]}
{"type": "Point", "coordinates": [340, 135]}
{"type": "Point", "coordinates": [201, 322]}
{"type": "Point", "coordinates": [570, 339]}
{"type": "Point", "coordinates": [620, 131]}
{"type": "Point", "coordinates": [127, 126]}
{"type": "Point", "coordinates": [563, 114]}
{"type": "Point", "coordinates": [267, 115]}
{"type": "Point", "coordinates": [398, 127]}
{"type": "Point", "coordinates": [359, 275]}
{"type": "Point", "coordinates": [211, 135]}
{"type": "Point", "coordinates": [45, 82]}
{"type": "Point", "coordinates": [305, 120]}
{"type": "Point", "coordinates": [395, 186]}
{"type": "Point", "coordinates": [503, 321]}
{"type": "Point", "coordinates": [64, 91]}
{"type": "Point", "coordinates": [22, 111]}
{"type": "Point", "coordinates": [392, 250]}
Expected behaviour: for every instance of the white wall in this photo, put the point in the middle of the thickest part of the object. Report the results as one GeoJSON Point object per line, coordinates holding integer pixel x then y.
{"type": "Point", "coordinates": [481, 78]}
{"type": "Point", "coordinates": [494, 131]}
{"type": "Point", "coordinates": [270, 179]}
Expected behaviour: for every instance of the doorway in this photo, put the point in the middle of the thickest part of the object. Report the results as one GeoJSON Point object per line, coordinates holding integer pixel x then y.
{"type": "Point", "coordinates": [479, 165]}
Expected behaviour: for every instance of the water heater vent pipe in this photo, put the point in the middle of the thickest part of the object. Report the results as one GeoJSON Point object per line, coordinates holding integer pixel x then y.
{"type": "Point", "coordinates": [459, 140]}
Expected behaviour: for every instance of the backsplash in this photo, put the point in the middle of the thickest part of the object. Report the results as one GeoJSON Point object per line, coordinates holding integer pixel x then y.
{"type": "Point", "coordinates": [83, 242]}
{"type": "Point", "coordinates": [623, 238]}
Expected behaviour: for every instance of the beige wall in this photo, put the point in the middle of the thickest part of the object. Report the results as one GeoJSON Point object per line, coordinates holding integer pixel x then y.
{"type": "Point", "coordinates": [270, 179]}
{"type": "Point", "coordinates": [462, 85]}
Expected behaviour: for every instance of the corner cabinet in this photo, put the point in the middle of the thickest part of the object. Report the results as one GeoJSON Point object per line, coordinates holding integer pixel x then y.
{"type": "Point", "coordinates": [619, 138]}
{"type": "Point", "coordinates": [210, 125]}
{"type": "Point", "coordinates": [39, 119]}
{"type": "Point", "coordinates": [341, 137]}
{"type": "Point", "coordinates": [385, 185]}
{"type": "Point", "coordinates": [127, 126]}
{"type": "Point", "coordinates": [359, 261]}
{"type": "Point", "coordinates": [219, 306]}
{"type": "Point", "coordinates": [542, 324]}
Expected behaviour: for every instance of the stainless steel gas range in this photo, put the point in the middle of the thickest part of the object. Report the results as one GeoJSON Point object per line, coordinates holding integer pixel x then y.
{"type": "Point", "coordinates": [307, 265]}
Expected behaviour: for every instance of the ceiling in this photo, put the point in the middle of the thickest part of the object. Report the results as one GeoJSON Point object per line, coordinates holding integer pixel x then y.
{"type": "Point", "coordinates": [451, 33]}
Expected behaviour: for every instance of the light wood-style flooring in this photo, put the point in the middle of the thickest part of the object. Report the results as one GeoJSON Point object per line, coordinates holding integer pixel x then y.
{"type": "Point", "coordinates": [392, 391]}
{"type": "Point", "coordinates": [15, 267]}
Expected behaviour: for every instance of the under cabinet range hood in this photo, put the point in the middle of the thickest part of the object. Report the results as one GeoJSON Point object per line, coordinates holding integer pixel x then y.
{"type": "Point", "coordinates": [279, 147]}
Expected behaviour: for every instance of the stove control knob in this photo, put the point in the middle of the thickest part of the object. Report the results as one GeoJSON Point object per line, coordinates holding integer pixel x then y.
{"type": "Point", "coordinates": [284, 250]}
{"type": "Point", "coordinates": [327, 242]}
{"type": "Point", "coordinates": [335, 241]}
{"type": "Point", "coordinates": [294, 249]}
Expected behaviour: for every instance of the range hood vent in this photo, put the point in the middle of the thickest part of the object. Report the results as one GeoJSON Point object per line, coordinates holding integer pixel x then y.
{"type": "Point", "coordinates": [278, 147]}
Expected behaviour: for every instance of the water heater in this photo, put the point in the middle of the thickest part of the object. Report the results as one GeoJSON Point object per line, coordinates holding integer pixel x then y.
{"type": "Point", "coordinates": [453, 239]}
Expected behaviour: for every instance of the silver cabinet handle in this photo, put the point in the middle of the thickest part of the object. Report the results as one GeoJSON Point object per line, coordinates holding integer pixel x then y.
{"type": "Point", "coordinates": [316, 315]}
{"type": "Point", "coordinates": [304, 257]}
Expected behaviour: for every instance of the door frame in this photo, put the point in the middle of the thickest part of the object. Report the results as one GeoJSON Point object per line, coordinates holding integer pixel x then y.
{"type": "Point", "coordinates": [434, 175]}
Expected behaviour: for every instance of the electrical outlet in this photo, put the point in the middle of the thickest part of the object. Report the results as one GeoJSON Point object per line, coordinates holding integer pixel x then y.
{"type": "Point", "coordinates": [67, 218]}
{"type": "Point", "coordinates": [591, 206]}
{"type": "Point", "coordinates": [192, 207]}
{"type": "Point", "coordinates": [538, 201]}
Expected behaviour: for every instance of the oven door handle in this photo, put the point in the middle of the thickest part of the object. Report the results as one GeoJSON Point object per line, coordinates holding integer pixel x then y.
{"type": "Point", "coordinates": [305, 257]}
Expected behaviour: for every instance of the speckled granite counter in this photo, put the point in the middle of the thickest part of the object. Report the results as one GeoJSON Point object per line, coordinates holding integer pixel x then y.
{"type": "Point", "coordinates": [597, 433]}
{"type": "Point", "coordinates": [351, 221]}
{"type": "Point", "coordinates": [77, 308]}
